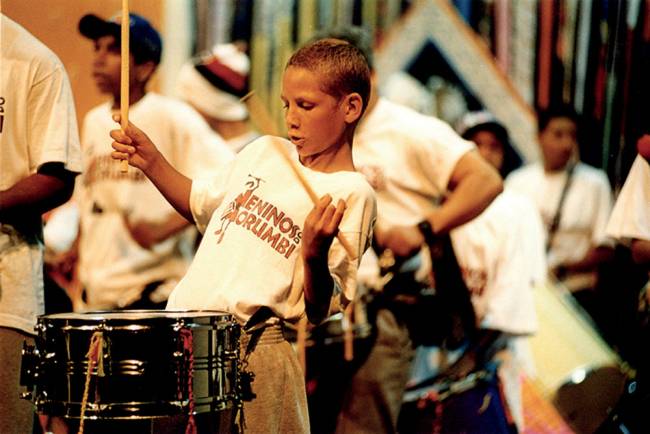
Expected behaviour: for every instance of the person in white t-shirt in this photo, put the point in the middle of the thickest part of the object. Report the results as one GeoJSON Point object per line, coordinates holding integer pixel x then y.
{"type": "Point", "coordinates": [574, 200]}
{"type": "Point", "coordinates": [133, 246]}
{"type": "Point", "coordinates": [268, 254]}
{"type": "Point", "coordinates": [412, 161]}
{"type": "Point", "coordinates": [502, 259]}
{"type": "Point", "coordinates": [39, 159]}
{"type": "Point", "coordinates": [214, 84]}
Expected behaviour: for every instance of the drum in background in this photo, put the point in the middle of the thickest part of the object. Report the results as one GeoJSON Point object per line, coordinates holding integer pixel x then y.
{"type": "Point", "coordinates": [328, 373]}
{"type": "Point", "coordinates": [155, 364]}
{"type": "Point", "coordinates": [331, 332]}
{"type": "Point", "coordinates": [575, 368]}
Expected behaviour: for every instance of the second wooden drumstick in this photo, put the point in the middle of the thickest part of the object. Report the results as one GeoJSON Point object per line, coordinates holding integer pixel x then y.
{"type": "Point", "coordinates": [124, 75]}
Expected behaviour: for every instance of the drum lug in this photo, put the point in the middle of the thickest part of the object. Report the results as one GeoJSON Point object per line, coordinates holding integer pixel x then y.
{"type": "Point", "coordinates": [40, 328]}
{"type": "Point", "coordinates": [26, 395]}
{"type": "Point", "coordinates": [28, 366]}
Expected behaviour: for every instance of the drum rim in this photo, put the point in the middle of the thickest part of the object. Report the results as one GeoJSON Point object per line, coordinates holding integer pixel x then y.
{"type": "Point", "coordinates": [135, 314]}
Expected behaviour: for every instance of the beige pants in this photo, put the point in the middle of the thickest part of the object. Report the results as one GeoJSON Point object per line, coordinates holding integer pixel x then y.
{"type": "Point", "coordinates": [280, 405]}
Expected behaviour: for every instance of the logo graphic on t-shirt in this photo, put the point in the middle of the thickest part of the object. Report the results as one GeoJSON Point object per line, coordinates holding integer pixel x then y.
{"type": "Point", "coordinates": [104, 167]}
{"type": "Point", "coordinates": [230, 214]}
{"type": "Point", "coordinates": [475, 279]}
{"type": "Point", "coordinates": [262, 219]}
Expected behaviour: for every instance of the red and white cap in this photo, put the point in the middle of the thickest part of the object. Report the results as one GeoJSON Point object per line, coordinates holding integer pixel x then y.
{"type": "Point", "coordinates": [215, 83]}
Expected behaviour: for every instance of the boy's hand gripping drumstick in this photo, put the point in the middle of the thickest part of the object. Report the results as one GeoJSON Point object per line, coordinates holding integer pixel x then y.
{"type": "Point", "coordinates": [124, 75]}
{"type": "Point", "coordinates": [264, 122]}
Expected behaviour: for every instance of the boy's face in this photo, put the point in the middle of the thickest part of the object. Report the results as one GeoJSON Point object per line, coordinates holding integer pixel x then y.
{"type": "Point", "coordinates": [490, 148]}
{"type": "Point", "coordinates": [315, 120]}
{"type": "Point", "coordinates": [559, 142]}
{"type": "Point", "coordinates": [106, 65]}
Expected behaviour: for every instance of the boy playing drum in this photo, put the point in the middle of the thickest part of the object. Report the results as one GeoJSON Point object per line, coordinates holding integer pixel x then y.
{"type": "Point", "coordinates": [268, 254]}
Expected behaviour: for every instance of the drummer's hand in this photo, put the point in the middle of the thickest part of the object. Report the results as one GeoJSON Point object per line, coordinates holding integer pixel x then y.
{"type": "Point", "coordinates": [133, 145]}
{"type": "Point", "coordinates": [321, 226]}
{"type": "Point", "coordinates": [403, 241]}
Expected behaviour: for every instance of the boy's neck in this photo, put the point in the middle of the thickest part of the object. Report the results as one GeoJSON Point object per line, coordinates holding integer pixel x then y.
{"type": "Point", "coordinates": [334, 159]}
{"type": "Point", "coordinates": [135, 95]}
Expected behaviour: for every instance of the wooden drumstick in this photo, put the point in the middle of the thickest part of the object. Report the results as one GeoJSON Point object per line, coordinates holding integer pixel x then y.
{"type": "Point", "coordinates": [301, 344]}
{"type": "Point", "coordinates": [259, 114]}
{"type": "Point", "coordinates": [348, 335]}
{"type": "Point", "coordinates": [265, 123]}
{"type": "Point", "coordinates": [124, 76]}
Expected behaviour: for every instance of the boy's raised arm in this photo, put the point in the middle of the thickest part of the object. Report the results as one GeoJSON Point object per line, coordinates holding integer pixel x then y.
{"type": "Point", "coordinates": [134, 146]}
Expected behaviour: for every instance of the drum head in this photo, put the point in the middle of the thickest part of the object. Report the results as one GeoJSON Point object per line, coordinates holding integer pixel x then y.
{"type": "Point", "coordinates": [586, 400]}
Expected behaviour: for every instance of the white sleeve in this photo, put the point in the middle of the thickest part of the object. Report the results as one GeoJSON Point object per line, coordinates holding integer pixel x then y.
{"type": "Point", "coordinates": [206, 195]}
{"type": "Point", "coordinates": [440, 152]}
{"type": "Point", "coordinates": [356, 227]}
{"type": "Point", "coordinates": [53, 134]}
{"type": "Point", "coordinates": [630, 217]}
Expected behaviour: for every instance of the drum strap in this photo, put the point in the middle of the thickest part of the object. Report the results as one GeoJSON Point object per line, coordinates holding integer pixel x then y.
{"type": "Point", "coordinates": [95, 357]}
{"type": "Point", "coordinates": [254, 328]}
{"type": "Point", "coordinates": [555, 223]}
{"type": "Point", "coordinates": [258, 320]}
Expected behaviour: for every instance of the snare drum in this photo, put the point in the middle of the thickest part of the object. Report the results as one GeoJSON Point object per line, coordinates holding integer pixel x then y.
{"type": "Point", "coordinates": [154, 363]}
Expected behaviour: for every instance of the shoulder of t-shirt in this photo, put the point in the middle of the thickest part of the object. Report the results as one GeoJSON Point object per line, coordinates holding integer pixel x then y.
{"type": "Point", "coordinates": [177, 115]}
{"type": "Point", "coordinates": [266, 143]}
{"type": "Point", "coordinates": [102, 110]}
{"type": "Point", "coordinates": [421, 131]}
{"type": "Point", "coordinates": [592, 174]}
{"type": "Point", "coordinates": [168, 105]}
{"type": "Point", "coordinates": [523, 172]}
{"type": "Point", "coordinates": [26, 47]}
{"type": "Point", "coordinates": [353, 185]}
{"type": "Point", "coordinates": [390, 113]}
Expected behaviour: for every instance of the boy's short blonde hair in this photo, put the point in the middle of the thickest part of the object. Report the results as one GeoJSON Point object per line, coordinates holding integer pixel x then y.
{"type": "Point", "coordinates": [342, 67]}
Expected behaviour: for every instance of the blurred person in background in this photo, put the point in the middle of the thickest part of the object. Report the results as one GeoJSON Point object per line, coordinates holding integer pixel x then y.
{"type": "Point", "coordinates": [214, 85]}
{"type": "Point", "coordinates": [133, 246]}
{"type": "Point", "coordinates": [39, 160]}
{"type": "Point", "coordinates": [574, 200]}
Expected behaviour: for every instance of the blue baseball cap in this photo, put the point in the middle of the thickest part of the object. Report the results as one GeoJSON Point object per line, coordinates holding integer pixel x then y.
{"type": "Point", "coordinates": [144, 41]}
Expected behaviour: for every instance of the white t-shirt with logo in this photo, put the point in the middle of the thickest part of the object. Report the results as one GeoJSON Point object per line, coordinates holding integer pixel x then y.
{"type": "Point", "coordinates": [631, 214]}
{"type": "Point", "coordinates": [113, 267]}
{"type": "Point", "coordinates": [251, 216]}
{"type": "Point", "coordinates": [38, 125]}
